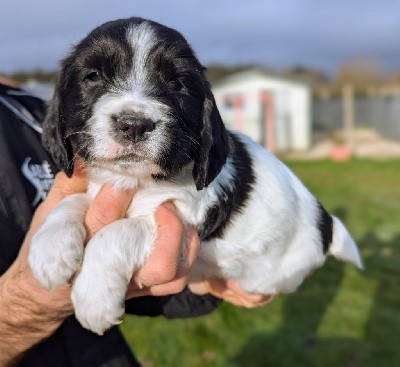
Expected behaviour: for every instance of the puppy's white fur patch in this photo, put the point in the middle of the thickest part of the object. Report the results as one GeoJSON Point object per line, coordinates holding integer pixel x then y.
{"type": "Point", "coordinates": [142, 38]}
{"type": "Point", "coordinates": [56, 249]}
{"type": "Point", "coordinates": [100, 124]}
{"type": "Point", "coordinates": [268, 247]}
{"type": "Point", "coordinates": [343, 247]}
{"type": "Point", "coordinates": [99, 291]}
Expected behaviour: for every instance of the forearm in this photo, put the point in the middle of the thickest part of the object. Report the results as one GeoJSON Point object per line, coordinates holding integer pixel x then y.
{"type": "Point", "coordinates": [25, 319]}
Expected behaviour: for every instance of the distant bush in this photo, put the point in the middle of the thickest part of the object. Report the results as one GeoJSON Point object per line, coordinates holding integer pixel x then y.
{"type": "Point", "coordinates": [37, 75]}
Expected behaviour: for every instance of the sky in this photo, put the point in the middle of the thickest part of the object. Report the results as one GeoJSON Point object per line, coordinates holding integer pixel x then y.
{"type": "Point", "coordinates": [319, 34]}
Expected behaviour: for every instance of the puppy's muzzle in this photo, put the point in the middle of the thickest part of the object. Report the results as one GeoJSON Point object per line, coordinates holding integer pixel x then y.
{"type": "Point", "coordinates": [132, 127]}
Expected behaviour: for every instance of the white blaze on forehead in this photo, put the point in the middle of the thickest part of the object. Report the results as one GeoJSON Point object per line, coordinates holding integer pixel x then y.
{"type": "Point", "coordinates": [142, 38]}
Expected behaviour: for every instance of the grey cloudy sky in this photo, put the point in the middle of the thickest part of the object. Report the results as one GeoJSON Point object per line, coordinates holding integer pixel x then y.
{"type": "Point", "coordinates": [281, 33]}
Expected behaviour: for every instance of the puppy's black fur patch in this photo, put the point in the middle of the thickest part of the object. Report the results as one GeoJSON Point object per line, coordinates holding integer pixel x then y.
{"type": "Point", "coordinates": [325, 226]}
{"type": "Point", "coordinates": [105, 49]}
{"type": "Point", "coordinates": [230, 200]}
{"type": "Point", "coordinates": [102, 62]}
{"type": "Point", "coordinates": [132, 100]}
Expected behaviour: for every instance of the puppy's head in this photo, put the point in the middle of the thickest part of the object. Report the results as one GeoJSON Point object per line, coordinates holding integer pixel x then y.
{"type": "Point", "coordinates": [132, 98]}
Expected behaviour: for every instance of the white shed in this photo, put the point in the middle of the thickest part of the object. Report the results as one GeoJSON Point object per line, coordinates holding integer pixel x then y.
{"type": "Point", "coordinates": [274, 111]}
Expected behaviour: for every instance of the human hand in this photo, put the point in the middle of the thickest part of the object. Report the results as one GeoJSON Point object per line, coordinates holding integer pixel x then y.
{"type": "Point", "coordinates": [28, 312]}
{"type": "Point", "coordinates": [19, 277]}
{"type": "Point", "coordinates": [175, 250]}
{"type": "Point", "coordinates": [230, 291]}
{"type": "Point", "coordinates": [166, 270]}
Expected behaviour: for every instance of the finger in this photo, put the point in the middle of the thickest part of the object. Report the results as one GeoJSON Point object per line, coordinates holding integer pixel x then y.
{"type": "Point", "coordinates": [108, 206]}
{"type": "Point", "coordinates": [218, 288]}
{"type": "Point", "coordinates": [162, 264]}
{"type": "Point", "coordinates": [61, 188]}
{"type": "Point", "coordinates": [64, 186]}
{"type": "Point", "coordinates": [180, 280]}
{"type": "Point", "coordinates": [189, 253]}
{"type": "Point", "coordinates": [215, 286]}
{"type": "Point", "coordinates": [199, 288]}
{"type": "Point", "coordinates": [246, 299]}
{"type": "Point", "coordinates": [230, 291]}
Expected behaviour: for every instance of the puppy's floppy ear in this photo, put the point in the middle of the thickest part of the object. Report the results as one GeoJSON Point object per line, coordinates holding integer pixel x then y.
{"type": "Point", "coordinates": [54, 132]}
{"type": "Point", "coordinates": [214, 144]}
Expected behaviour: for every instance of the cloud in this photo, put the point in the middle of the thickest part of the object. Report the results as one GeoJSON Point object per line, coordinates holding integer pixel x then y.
{"type": "Point", "coordinates": [279, 34]}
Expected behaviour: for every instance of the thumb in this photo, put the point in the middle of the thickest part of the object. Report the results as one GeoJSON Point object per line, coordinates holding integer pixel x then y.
{"type": "Point", "coordinates": [108, 206]}
{"type": "Point", "coordinates": [64, 186]}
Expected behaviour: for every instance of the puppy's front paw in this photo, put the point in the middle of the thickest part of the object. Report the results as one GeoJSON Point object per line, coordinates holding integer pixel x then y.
{"type": "Point", "coordinates": [98, 304]}
{"type": "Point", "coordinates": [111, 257]}
{"type": "Point", "coordinates": [55, 253]}
{"type": "Point", "coordinates": [98, 292]}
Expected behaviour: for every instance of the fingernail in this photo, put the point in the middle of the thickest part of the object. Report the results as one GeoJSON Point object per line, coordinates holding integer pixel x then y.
{"type": "Point", "coordinates": [170, 206]}
{"type": "Point", "coordinates": [190, 232]}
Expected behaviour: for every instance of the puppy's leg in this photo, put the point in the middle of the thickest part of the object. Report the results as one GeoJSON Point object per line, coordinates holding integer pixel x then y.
{"type": "Point", "coordinates": [56, 249]}
{"type": "Point", "coordinates": [111, 257]}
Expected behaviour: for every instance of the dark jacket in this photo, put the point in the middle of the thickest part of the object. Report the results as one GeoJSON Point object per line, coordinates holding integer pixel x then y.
{"type": "Point", "coordinates": [26, 175]}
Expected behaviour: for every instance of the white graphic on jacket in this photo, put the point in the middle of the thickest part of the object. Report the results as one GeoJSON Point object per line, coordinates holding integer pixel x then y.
{"type": "Point", "coordinates": [40, 176]}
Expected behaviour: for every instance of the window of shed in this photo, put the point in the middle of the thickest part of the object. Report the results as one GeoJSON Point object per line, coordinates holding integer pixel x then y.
{"type": "Point", "coordinates": [228, 104]}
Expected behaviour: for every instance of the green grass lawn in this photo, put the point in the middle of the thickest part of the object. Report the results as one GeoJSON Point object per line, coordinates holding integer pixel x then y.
{"type": "Point", "coordinates": [338, 317]}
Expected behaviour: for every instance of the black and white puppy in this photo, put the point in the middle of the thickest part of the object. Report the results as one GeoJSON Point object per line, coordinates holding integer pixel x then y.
{"type": "Point", "coordinates": [132, 100]}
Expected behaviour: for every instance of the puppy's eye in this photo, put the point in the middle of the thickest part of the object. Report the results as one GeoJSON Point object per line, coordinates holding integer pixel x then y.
{"type": "Point", "coordinates": [93, 76]}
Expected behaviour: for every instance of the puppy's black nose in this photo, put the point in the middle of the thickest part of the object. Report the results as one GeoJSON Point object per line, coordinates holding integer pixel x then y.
{"type": "Point", "coordinates": [132, 127]}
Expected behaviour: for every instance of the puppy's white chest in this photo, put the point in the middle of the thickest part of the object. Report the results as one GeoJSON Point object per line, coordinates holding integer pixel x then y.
{"type": "Point", "coordinates": [191, 205]}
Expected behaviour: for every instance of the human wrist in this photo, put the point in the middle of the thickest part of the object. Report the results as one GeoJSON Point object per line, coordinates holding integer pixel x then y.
{"type": "Point", "coordinates": [27, 313]}
{"type": "Point", "coordinates": [21, 291]}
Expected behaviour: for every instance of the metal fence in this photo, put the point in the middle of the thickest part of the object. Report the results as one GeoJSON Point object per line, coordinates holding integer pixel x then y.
{"type": "Point", "coordinates": [379, 113]}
